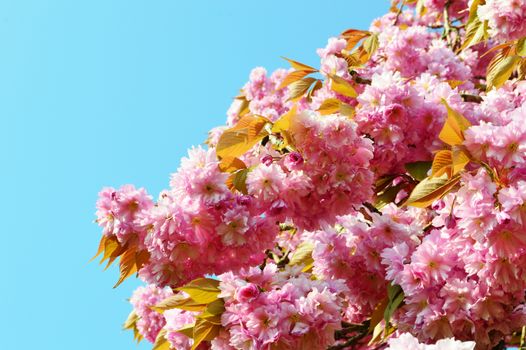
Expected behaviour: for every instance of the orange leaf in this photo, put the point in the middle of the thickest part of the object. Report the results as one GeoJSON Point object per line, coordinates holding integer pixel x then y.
{"type": "Point", "coordinates": [300, 66]}
{"type": "Point", "coordinates": [231, 164]}
{"type": "Point", "coordinates": [353, 37]}
{"type": "Point", "coordinates": [452, 132]}
{"type": "Point", "coordinates": [293, 77]}
{"type": "Point", "coordinates": [442, 163]}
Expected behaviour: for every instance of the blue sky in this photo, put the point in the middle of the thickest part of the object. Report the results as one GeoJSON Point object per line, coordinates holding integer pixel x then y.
{"type": "Point", "coordinates": [108, 92]}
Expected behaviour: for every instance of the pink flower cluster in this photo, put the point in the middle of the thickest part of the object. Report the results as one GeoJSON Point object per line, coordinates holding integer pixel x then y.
{"type": "Point", "coordinates": [199, 226]}
{"type": "Point", "coordinates": [316, 177]}
{"type": "Point", "coordinates": [278, 309]}
{"type": "Point", "coordinates": [351, 251]}
{"type": "Point", "coordinates": [118, 212]}
{"type": "Point", "coordinates": [264, 96]}
{"type": "Point", "coordinates": [506, 18]}
{"type": "Point", "coordinates": [326, 176]}
{"type": "Point", "coordinates": [149, 322]}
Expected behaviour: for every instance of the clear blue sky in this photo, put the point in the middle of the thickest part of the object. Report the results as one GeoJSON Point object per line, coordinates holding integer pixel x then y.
{"type": "Point", "coordinates": [108, 92]}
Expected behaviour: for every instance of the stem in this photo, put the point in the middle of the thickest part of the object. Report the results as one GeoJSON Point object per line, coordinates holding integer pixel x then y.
{"type": "Point", "coordinates": [447, 25]}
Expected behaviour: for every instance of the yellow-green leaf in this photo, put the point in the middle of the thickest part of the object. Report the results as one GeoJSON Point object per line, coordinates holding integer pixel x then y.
{"type": "Point", "coordinates": [452, 132]}
{"type": "Point", "coordinates": [342, 86]}
{"type": "Point", "coordinates": [187, 330]}
{"type": "Point", "coordinates": [161, 343]}
{"type": "Point", "coordinates": [303, 254]}
{"type": "Point", "coordinates": [131, 320]}
{"type": "Point", "coordinates": [371, 44]}
{"type": "Point", "coordinates": [499, 72]}
{"type": "Point", "coordinates": [329, 106]}
{"type": "Point", "coordinates": [520, 47]}
{"type": "Point", "coordinates": [431, 189]}
{"type": "Point", "coordinates": [204, 331]}
{"type": "Point", "coordinates": [202, 290]}
{"type": "Point", "coordinates": [178, 301]}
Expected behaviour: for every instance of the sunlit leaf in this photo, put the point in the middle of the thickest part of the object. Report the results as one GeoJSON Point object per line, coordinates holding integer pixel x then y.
{"type": "Point", "coordinates": [300, 66]}
{"type": "Point", "coordinates": [452, 132]}
{"type": "Point", "coordinates": [520, 47]}
{"type": "Point", "coordinates": [237, 140]}
{"type": "Point", "coordinates": [371, 44]}
{"type": "Point", "coordinates": [187, 330]}
{"type": "Point", "coordinates": [204, 331]}
{"type": "Point", "coordinates": [442, 163]}
{"type": "Point", "coordinates": [128, 266]}
{"type": "Point", "coordinates": [431, 189]}
{"type": "Point", "coordinates": [500, 70]}
{"type": "Point", "coordinates": [284, 122]}
{"type": "Point", "coordinates": [178, 301]}
{"type": "Point", "coordinates": [161, 343]}
{"type": "Point", "coordinates": [303, 254]}
{"type": "Point", "coordinates": [131, 320]}
{"type": "Point", "coordinates": [299, 88]}
{"type": "Point", "coordinates": [202, 290]}
{"type": "Point", "coordinates": [353, 37]}
{"type": "Point", "coordinates": [293, 77]}
{"type": "Point", "coordinates": [231, 164]}
{"type": "Point", "coordinates": [342, 86]}
{"type": "Point", "coordinates": [459, 159]}
{"type": "Point", "coordinates": [329, 106]}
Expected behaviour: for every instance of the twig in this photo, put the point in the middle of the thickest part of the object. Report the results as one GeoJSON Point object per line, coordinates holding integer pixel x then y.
{"type": "Point", "coordinates": [471, 98]}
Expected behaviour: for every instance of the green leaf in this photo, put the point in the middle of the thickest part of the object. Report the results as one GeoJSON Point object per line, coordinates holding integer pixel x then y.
{"type": "Point", "coordinates": [386, 197]}
{"type": "Point", "coordinates": [202, 290]}
{"type": "Point", "coordinates": [418, 170]}
{"type": "Point", "coordinates": [521, 47]}
{"type": "Point", "coordinates": [371, 44]}
{"type": "Point", "coordinates": [431, 189]}
{"type": "Point", "coordinates": [396, 297]}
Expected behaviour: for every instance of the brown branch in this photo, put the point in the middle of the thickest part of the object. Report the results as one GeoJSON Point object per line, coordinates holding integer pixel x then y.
{"type": "Point", "coordinates": [471, 98]}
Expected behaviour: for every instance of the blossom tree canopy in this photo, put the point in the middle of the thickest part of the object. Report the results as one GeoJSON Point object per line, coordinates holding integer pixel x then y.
{"type": "Point", "coordinates": [378, 201]}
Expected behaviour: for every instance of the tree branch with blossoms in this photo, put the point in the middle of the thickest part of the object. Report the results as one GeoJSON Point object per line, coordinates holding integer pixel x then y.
{"type": "Point", "coordinates": [376, 201]}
